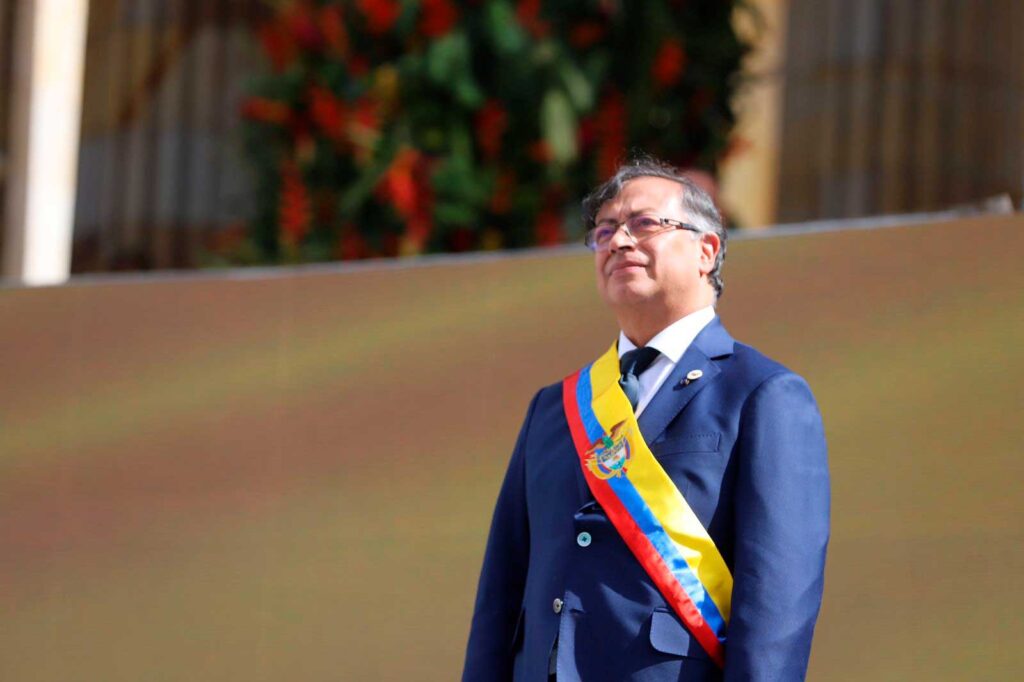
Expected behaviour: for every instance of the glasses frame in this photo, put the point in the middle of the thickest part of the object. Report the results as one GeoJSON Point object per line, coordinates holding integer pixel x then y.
{"type": "Point", "coordinates": [667, 225]}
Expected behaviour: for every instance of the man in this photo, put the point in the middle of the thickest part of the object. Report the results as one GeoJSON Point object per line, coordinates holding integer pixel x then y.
{"type": "Point", "coordinates": [665, 511]}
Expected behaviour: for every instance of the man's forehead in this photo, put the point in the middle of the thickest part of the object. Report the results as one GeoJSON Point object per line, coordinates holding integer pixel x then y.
{"type": "Point", "coordinates": [646, 193]}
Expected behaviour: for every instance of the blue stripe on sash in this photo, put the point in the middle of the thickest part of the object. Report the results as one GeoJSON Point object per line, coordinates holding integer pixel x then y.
{"type": "Point", "coordinates": [666, 547]}
{"type": "Point", "coordinates": [584, 398]}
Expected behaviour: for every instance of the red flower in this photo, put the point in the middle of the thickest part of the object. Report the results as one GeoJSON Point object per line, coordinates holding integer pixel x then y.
{"type": "Point", "coordinates": [461, 239]}
{"type": "Point", "coordinates": [332, 23]}
{"type": "Point", "coordinates": [303, 26]}
{"type": "Point", "coordinates": [399, 185]}
{"type": "Point", "coordinates": [406, 186]}
{"type": "Point", "coordinates": [266, 110]}
{"type": "Point", "coordinates": [380, 15]}
{"type": "Point", "coordinates": [294, 210]}
{"type": "Point", "coordinates": [351, 244]}
{"type": "Point", "coordinates": [540, 152]}
{"type": "Point", "coordinates": [328, 113]}
{"type": "Point", "coordinates": [587, 134]}
{"type": "Point", "coordinates": [528, 13]}
{"type": "Point", "coordinates": [586, 34]}
{"type": "Point", "coordinates": [358, 65]}
{"type": "Point", "coordinates": [501, 199]}
{"type": "Point", "coordinates": [491, 123]}
{"type": "Point", "coordinates": [610, 124]}
{"type": "Point", "coordinates": [701, 101]}
{"type": "Point", "coordinates": [437, 17]}
{"type": "Point", "coordinates": [278, 45]}
{"type": "Point", "coordinates": [367, 114]}
{"type": "Point", "coordinates": [669, 63]}
{"type": "Point", "coordinates": [549, 227]}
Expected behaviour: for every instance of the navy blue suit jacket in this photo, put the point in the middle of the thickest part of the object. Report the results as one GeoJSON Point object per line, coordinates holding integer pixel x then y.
{"type": "Point", "coordinates": [745, 445]}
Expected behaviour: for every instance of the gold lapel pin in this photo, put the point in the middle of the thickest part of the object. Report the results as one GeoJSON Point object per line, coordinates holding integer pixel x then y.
{"type": "Point", "coordinates": [692, 376]}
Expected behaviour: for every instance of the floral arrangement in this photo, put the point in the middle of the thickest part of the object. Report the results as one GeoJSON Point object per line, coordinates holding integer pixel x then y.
{"type": "Point", "coordinates": [398, 127]}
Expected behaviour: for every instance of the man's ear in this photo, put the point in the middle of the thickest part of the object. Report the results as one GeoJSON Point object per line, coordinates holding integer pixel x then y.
{"type": "Point", "coordinates": [710, 244]}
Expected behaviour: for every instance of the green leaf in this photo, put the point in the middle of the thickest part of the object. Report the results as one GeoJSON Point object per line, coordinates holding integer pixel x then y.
{"type": "Point", "coordinates": [505, 31]}
{"type": "Point", "coordinates": [448, 57]}
{"type": "Point", "coordinates": [449, 64]}
{"type": "Point", "coordinates": [454, 214]}
{"type": "Point", "coordinates": [467, 92]}
{"type": "Point", "coordinates": [558, 122]}
{"type": "Point", "coordinates": [577, 86]}
{"type": "Point", "coordinates": [359, 191]}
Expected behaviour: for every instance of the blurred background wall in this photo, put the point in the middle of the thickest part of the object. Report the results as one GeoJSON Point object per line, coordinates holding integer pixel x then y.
{"type": "Point", "coordinates": [894, 107]}
{"type": "Point", "coordinates": [161, 170]}
{"type": "Point", "coordinates": [6, 68]}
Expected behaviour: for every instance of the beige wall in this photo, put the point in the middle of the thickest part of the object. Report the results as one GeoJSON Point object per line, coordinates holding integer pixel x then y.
{"type": "Point", "coordinates": [265, 478]}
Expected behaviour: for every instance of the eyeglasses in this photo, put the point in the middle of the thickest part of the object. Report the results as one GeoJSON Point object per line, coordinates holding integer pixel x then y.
{"type": "Point", "coordinates": [639, 227]}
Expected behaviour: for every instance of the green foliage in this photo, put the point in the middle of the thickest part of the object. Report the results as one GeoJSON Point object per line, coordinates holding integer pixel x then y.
{"type": "Point", "coordinates": [386, 127]}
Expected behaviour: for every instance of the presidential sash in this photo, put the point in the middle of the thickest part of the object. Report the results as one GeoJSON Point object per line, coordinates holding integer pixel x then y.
{"type": "Point", "coordinates": [644, 505]}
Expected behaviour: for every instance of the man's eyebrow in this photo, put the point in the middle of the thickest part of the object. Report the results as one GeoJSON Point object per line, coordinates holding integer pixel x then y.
{"type": "Point", "coordinates": [631, 214]}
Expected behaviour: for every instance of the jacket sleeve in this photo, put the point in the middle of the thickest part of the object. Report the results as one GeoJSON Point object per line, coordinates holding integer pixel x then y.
{"type": "Point", "coordinates": [499, 597]}
{"type": "Point", "coordinates": [781, 532]}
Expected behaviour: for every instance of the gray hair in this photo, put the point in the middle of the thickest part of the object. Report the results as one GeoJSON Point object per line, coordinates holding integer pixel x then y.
{"type": "Point", "coordinates": [700, 209]}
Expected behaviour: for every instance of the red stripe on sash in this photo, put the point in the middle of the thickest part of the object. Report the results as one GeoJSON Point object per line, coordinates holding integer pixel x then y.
{"type": "Point", "coordinates": [634, 538]}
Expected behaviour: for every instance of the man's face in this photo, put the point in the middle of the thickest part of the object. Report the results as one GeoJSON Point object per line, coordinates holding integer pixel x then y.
{"type": "Point", "coordinates": [667, 269]}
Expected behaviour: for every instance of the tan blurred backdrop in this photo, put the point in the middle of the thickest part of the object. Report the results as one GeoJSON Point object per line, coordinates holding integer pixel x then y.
{"type": "Point", "coordinates": [289, 475]}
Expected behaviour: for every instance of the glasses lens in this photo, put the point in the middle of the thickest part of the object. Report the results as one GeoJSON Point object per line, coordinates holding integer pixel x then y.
{"type": "Point", "coordinates": [599, 236]}
{"type": "Point", "coordinates": [644, 225]}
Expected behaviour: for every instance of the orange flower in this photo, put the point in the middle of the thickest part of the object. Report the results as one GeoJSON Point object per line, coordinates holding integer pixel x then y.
{"type": "Point", "coordinates": [437, 17]}
{"type": "Point", "coordinates": [399, 185]}
{"type": "Point", "coordinates": [669, 63]}
{"type": "Point", "coordinates": [406, 186]}
{"type": "Point", "coordinates": [380, 15]}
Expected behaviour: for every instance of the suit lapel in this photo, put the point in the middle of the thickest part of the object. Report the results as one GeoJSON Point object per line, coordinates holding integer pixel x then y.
{"type": "Point", "coordinates": [711, 343]}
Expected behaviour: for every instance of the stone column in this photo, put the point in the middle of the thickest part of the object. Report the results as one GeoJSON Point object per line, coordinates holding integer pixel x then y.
{"type": "Point", "coordinates": [49, 61]}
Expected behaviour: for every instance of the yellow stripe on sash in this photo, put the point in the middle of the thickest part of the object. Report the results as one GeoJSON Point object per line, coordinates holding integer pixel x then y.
{"type": "Point", "coordinates": [655, 487]}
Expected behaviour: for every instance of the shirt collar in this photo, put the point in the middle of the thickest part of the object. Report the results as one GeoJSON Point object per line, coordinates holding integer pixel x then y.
{"type": "Point", "coordinates": [673, 340]}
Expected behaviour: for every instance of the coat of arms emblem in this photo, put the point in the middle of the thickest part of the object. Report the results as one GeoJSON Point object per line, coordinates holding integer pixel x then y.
{"type": "Point", "coordinates": [609, 455]}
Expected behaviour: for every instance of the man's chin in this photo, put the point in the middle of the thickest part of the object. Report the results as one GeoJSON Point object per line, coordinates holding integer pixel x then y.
{"type": "Point", "coordinates": [627, 293]}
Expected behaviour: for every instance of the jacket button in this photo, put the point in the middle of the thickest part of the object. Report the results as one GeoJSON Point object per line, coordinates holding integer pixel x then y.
{"type": "Point", "coordinates": [556, 605]}
{"type": "Point", "coordinates": [584, 539]}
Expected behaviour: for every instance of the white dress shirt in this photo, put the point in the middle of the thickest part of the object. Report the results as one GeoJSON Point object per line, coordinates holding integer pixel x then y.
{"type": "Point", "coordinates": [671, 342]}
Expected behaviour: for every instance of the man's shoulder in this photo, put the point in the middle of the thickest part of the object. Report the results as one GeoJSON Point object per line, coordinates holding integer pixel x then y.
{"type": "Point", "coordinates": [751, 372]}
{"type": "Point", "coordinates": [750, 359]}
{"type": "Point", "coordinates": [548, 397]}
{"type": "Point", "coordinates": [753, 368]}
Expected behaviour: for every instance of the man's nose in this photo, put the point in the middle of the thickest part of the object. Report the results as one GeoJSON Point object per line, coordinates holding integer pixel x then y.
{"type": "Point", "coordinates": [621, 239]}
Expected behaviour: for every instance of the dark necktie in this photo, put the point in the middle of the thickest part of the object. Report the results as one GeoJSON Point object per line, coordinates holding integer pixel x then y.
{"type": "Point", "coordinates": [632, 365]}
